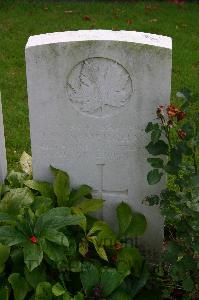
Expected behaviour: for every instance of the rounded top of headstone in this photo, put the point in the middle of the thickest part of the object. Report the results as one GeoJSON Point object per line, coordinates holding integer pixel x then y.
{"type": "Point", "coordinates": [100, 35]}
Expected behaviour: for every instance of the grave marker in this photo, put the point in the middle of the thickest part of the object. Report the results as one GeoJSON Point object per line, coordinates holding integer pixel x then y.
{"type": "Point", "coordinates": [91, 94]}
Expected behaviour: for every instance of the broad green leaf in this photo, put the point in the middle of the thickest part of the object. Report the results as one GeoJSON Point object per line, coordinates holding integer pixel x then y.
{"type": "Point", "coordinates": [89, 276]}
{"type": "Point", "coordinates": [98, 226]}
{"type": "Point", "coordinates": [58, 289]}
{"type": "Point", "coordinates": [139, 282]}
{"type": "Point", "coordinates": [33, 255]}
{"type": "Point", "coordinates": [19, 285]}
{"type": "Point", "coordinates": [36, 276]}
{"type": "Point", "coordinates": [79, 296]}
{"type": "Point", "coordinates": [156, 162]}
{"type": "Point", "coordinates": [83, 247]}
{"type": "Point", "coordinates": [188, 284]}
{"type": "Point", "coordinates": [56, 218]}
{"type": "Point", "coordinates": [90, 205]}
{"type": "Point", "coordinates": [158, 148]}
{"type": "Point", "coordinates": [41, 205]}
{"type": "Point", "coordinates": [9, 219]}
{"type": "Point", "coordinates": [16, 199]}
{"type": "Point", "coordinates": [10, 236]}
{"type": "Point", "coordinates": [54, 252]}
{"type": "Point", "coordinates": [110, 280]}
{"type": "Point", "coordinates": [128, 258]}
{"type": "Point", "coordinates": [155, 135]}
{"type": "Point", "coordinates": [61, 186]}
{"type": "Point", "coordinates": [124, 215]}
{"type": "Point", "coordinates": [44, 291]}
{"type": "Point", "coordinates": [4, 254]}
{"type": "Point", "coordinates": [75, 266]}
{"type": "Point", "coordinates": [81, 192]}
{"type": "Point", "coordinates": [98, 247]}
{"type": "Point", "coordinates": [137, 227]}
{"type": "Point", "coordinates": [76, 211]}
{"type": "Point", "coordinates": [154, 176]}
{"type": "Point", "coordinates": [44, 188]}
{"type": "Point", "coordinates": [26, 163]}
{"type": "Point", "coordinates": [56, 237]}
{"type": "Point", "coordinates": [16, 179]}
{"type": "Point", "coordinates": [119, 295]}
{"type": "Point", "coordinates": [4, 293]}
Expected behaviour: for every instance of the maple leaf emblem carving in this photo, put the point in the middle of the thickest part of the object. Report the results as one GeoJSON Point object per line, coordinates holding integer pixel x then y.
{"type": "Point", "coordinates": [99, 86]}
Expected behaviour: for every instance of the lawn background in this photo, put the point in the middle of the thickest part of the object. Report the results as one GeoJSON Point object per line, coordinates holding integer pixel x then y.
{"type": "Point", "coordinates": [20, 19]}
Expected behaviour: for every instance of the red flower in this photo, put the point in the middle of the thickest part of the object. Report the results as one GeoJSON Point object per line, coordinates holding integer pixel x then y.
{"type": "Point", "coordinates": [118, 246]}
{"type": "Point", "coordinates": [181, 115]}
{"type": "Point", "coordinates": [160, 111]}
{"type": "Point", "coordinates": [33, 239]}
{"type": "Point", "coordinates": [182, 134]}
{"type": "Point", "coordinates": [172, 111]}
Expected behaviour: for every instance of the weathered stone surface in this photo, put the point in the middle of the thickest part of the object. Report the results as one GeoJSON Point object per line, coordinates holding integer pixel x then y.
{"type": "Point", "coordinates": [91, 94]}
{"type": "Point", "coordinates": [3, 161]}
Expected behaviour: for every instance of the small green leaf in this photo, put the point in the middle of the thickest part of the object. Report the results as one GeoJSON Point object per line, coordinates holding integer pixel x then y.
{"type": "Point", "coordinates": [90, 205]}
{"type": "Point", "coordinates": [155, 135]}
{"type": "Point", "coordinates": [154, 176]}
{"type": "Point", "coordinates": [16, 179]}
{"type": "Point", "coordinates": [124, 216]}
{"type": "Point", "coordinates": [54, 252]}
{"type": "Point", "coordinates": [36, 276]}
{"type": "Point", "coordinates": [16, 199]}
{"type": "Point", "coordinates": [10, 236]}
{"type": "Point", "coordinates": [98, 247]}
{"type": "Point", "coordinates": [33, 255]}
{"type": "Point", "coordinates": [56, 237]}
{"type": "Point", "coordinates": [156, 162]}
{"type": "Point", "coordinates": [58, 289]}
{"type": "Point", "coordinates": [44, 188]}
{"type": "Point", "coordinates": [129, 257]}
{"type": "Point", "coordinates": [19, 285]}
{"type": "Point", "coordinates": [89, 276]}
{"type": "Point", "coordinates": [61, 186]}
{"type": "Point", "coordinates": [137, 227]}
{"type": "Point", "coordinates": [6, 218]}
{"type": "Point", "coordinates": [149, 127]}
{"type": "Point", "coordinates": [44, 291]}
{"type": "Point", "coordinates": [111, 279]}
{"type": "Point", "coordinates": [158, 148]}
{"type": "Point", "coordinates": [81, 192]}
{"type": "Point", "coordinates": [83, 247]}
{"type": "Point", "coordinates": [26, 163]}
{"type": "Point", "coordinates": [4, 254]}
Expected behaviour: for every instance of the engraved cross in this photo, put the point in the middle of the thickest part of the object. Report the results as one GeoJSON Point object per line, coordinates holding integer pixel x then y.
{"type": "Point", "coordinates": [103, 193]}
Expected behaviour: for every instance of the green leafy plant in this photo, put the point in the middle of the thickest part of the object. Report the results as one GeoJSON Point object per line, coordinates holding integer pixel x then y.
{"type": "Point", "coordinates": [51, 247]}
{"type": "Point", "coordinates": [174, 149]}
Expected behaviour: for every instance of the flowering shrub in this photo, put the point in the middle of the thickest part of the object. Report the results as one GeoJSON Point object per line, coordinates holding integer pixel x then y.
{"type": "Point", "coordinates": [175, 135]}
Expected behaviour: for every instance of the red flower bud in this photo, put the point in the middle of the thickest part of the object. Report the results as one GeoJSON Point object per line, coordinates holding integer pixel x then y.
{"type": "Point", "coordinates": [118, 246]}
{"type": "Point", "coordinates": [182, 134]}
{"type": "Point", "coordinates": [33, 239]}
{"type": "Point", "coordinates": [181, 115]}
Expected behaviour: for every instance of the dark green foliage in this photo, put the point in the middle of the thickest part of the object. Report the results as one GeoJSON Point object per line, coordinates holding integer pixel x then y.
{"type": "Point", "coordinates": [51, 248]}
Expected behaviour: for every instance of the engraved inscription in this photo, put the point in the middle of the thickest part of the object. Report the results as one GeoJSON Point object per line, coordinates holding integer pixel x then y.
{"type": "Point", "coordinates": [99, 86]}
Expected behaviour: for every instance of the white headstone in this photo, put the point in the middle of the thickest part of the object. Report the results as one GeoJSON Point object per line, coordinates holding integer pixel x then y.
{"type": "Point", "coordinates": [3, 161]}
{"type": "Point", "coordinates": [91, 94]}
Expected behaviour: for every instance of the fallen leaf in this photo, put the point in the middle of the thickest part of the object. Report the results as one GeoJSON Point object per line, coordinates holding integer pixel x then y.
{"type": "Point", "coordinates": [153, 20]}
{"type": "Point", "coordinates": [68, 12]}
{"type": "Point", "coordinates": [129, 22]}
{"type": "Point", "coordinates": [86, 18]}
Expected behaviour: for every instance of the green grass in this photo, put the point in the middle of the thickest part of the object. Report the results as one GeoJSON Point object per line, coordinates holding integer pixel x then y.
{"type": "Point", "coordinates": [20, 19]}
